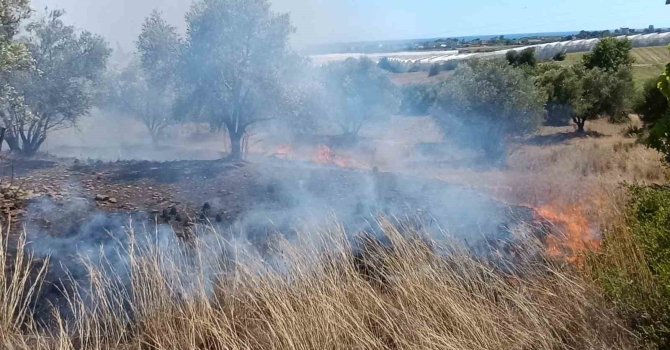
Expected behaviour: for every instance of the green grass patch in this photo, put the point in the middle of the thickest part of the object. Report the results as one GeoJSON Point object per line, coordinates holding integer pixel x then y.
{"type": "Point", "coordinates": [633, 266]}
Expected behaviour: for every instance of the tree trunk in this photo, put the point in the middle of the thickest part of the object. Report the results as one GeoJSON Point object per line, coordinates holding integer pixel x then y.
{"type": "Point", "coordinates": [580, 122]}
{"type": "Point", "coordinates": [235, 145]}
{"type": "Point", "coordinates": [2, 137]}
{"type": "Point", "coordinates": [29, 151]}
{"type": "Point", "coordinates": [26, 147]}
{"type": "Point", "coordinates": [13, 142]}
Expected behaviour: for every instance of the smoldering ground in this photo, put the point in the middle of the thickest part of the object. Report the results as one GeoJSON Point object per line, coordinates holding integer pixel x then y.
{"type": "Point", "coordinates": [91, 252]}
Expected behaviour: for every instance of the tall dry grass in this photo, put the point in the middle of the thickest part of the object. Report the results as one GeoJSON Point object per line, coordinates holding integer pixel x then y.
{"type": "Point", "coordinates": [317, 294]}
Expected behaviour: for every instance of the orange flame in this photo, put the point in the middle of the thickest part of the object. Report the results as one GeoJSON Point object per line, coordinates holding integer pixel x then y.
{"type": "Point", "coordinates": [326, 156]}
{"type": "Point", "coordinates": [575, 237]}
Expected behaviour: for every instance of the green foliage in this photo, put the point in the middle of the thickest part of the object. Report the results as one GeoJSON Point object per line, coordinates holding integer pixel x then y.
{"type": "Point", "coordinates": [131, 91]}
{"type": "Point", "coordinates": [565, 92]}
{"type": "Point", "coordinates": [560, 57]}
{"type": "Point", "coordinates": [641, 287]}
{"type": "Point", "coordinates": [651, 213]}
{"type": "Point", "coordinates": [607, 93]}
{"type": "Point", "coordinates": [659, 135]}
{"type": "Point", "coordinates": [436, 68]}
{"type": "Point", "coordinates": [664, 81]}
{"type": "Point", "coordinates": [359, 92]}
{"type": "Point", "coordinates": [651, 104]}
{"type": "Point", "coordinates": [13, 55]}
{"type": "Point", "coordinates": [417, 99]}
{"type": "Point", "coordinates": [385, 64]}
{"type": "Point", "coordinates": [60, 90]}
{"type": "Point", "coordinates": [487, 101]}
{"type": "Point", "coordinates": [610, 54]}
{"type": "Point", "coordinates": [147, 89]}
{"type": "Point", "coordinates": [525, 57]}
{"type": "Point", "coordinates": [581, 94]}
{"type": "Point", "coordinates": [159, 47]}
{"type": "Point", "coordinates": [233, 61]}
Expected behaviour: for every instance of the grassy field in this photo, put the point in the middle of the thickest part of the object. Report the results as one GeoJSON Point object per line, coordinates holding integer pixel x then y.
{"type": "Point", "coordinates": [409, 297]}
{"type": "Point", "coordinates": [649, 62]}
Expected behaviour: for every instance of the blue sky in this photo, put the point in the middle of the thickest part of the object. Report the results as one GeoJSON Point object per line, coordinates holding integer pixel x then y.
{"type": "Point", "coordinates": [354, 20]}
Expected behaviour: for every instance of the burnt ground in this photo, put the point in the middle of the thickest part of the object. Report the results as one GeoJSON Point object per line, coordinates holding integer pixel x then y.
{"type": "Point", "coordinates": [66, 193]}
{"type": "Point", "coordinates": [72, 209]}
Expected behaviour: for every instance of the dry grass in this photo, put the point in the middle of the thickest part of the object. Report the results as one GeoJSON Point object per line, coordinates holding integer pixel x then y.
{"type": "Point", "coordinates": [414, 296]}
{"type": "Point", "coordinates": [557, 167]}
{"type": "Point", "coordinates": [315, 295]}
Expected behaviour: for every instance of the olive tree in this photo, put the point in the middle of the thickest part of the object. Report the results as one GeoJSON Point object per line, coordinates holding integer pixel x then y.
{"type": "Point", "coordinates": [233, 64]}
{"type": "Point", "coordinates": [487, 101]}
{"type": "Point", "coordinates": [14, 56]}
{"type": "Point", "coordinates": [358, 92]}
{"type": "Point", "coordinates": [610, 54]}
{"type": "Point", "coordinates": [565, 92]}
{"type": "Point", "coordinates": [147, 87]}
{"type": "Point", "coordinates": [582, 92]}
{"type": "Point", "coordinates": [60, 89]}
{"type": "Point", "coordinates": [131, 91]}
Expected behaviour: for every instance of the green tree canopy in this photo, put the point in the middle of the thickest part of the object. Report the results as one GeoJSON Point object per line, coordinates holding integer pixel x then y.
{"type": "Point", "coordinates": [147, 88]}
{"type": "Point", "coordinates": [487, 101]}
{"type": "Point", "coordinates": [580, 94]}
{"type": "Point", "coordinates": [159, 47]}
{"type": "Point", "coordinates": [358, 92]}
{"type": "Point", "coordinates": [235, 54]}
{"type": "Point", "coordinates": [520, 58]}
{"type": "Point", "coordinates": [610, 54]}
{"type": "Point", "coordinates": [61, 88]}
{"type": "Point", "coordinates": [651, 104]}
{"type": "Point", "coordinates": [12, 54]}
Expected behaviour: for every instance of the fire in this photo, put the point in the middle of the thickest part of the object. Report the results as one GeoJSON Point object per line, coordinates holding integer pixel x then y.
{"type": "Point", "coordinates": [326, 156]}
{"type": "Point", "coordinates": [284, 152]}
{"type": "Point", "coordinates": [575, 237]}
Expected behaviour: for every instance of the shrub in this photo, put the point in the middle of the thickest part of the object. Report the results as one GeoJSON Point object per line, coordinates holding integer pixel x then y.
{"type": "Point", "coordinates": [659, 137]}
{"type": "Point", "coordinates": [650, 103]}
{"type": "Point", "coordinates": [436, 68]}
{"type": "Point", "coordinates": [385, 64]}
{"type": "Point", "coordinates": [560, 57]}
{"type": "Point", "coordinates": [524, 57]}
{"type": "Point", "coordinates": [634, 265]}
